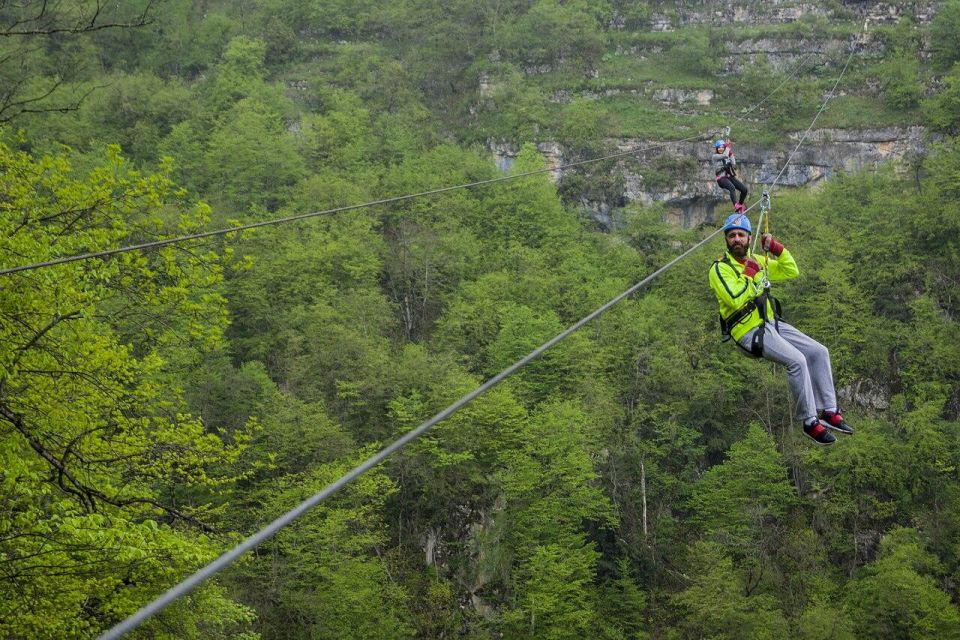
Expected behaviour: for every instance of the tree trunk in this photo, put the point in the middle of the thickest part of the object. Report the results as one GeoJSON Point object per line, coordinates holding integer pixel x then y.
{"type": "Point", "coordinates": [643, 496]}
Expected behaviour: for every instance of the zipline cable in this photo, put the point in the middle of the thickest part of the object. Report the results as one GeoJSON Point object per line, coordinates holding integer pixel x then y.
{"type": "Point", "coordinates": [155, 244]}
{"type": "Point", "coordinates": [765, 198]}
{"type": "Point", "coordinates": [814, 121]}
{"type": "Point", "coordinates": [792, 75]}
{"type": "Point", "coordinates": [313, 214]}
{"type": "Point", "coordinates": [267, 532]}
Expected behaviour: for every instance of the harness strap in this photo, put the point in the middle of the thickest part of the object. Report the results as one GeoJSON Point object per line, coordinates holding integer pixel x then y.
{"type": "Point", "coordinates": [760, 304]}
{"type": "Point", "coordinates": [756, 343]}
{"type": "Point", "coordinates": [737, 316]}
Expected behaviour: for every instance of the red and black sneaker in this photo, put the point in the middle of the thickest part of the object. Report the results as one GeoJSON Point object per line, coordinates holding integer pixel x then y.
{"type": "Point", "coordinates": [833, 420]}
{"type": "Point", "coordinates": [817, 432]}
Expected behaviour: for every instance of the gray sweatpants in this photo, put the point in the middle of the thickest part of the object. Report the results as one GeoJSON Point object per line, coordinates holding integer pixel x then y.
{"type": "Point", "coordinates": [808, 367]}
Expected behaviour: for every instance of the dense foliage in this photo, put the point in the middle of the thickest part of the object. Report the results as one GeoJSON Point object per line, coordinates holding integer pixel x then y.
{"type": "Point", "coordinates": [639, 480]}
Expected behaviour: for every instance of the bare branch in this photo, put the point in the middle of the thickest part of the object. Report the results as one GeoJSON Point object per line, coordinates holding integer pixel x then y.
{"type": "Point", "coordinates": [57, 319]}
{"type": "Point", "coordinates": [81, 26]}
{"type": "Point", "coordinates": [15, 105]}
{"type": "Point", "coordinates": [61, 109]}
{"type": "Point", "coordinates": [48, 20]}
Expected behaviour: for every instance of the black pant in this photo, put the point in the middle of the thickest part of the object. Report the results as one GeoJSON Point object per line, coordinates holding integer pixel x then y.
{"type": "Point", "coordinates": [733, 185]}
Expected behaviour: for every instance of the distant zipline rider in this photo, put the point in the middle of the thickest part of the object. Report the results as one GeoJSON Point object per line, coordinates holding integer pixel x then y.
{"type": "Point", "coordinates": [725, 166]}
{"type": "Point", "coordinates": [751, 316]}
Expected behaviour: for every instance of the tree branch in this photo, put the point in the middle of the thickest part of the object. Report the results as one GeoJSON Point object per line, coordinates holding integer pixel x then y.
{"type": "Point", "coordinates": [86, 494]}
{"type": "Point", "coordinates": [57, 319]}
{"type": "Point", "coordinates": [81, 26]}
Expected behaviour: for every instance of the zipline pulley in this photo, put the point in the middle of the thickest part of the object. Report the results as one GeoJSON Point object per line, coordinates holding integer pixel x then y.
{"type": "Point", "coordinates": [764, 223]}
{"type": "Point", "coordinates": [763, 220]}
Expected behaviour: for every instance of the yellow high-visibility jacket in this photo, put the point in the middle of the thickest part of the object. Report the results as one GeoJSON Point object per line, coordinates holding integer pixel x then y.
{"type": "Point", "coordinates": [734, 290]}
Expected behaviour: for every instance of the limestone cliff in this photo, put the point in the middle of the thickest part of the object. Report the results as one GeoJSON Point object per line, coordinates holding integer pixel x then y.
{"type": "Point", "coordinates": [694, 198]}
{"type": "Point", "coordinates": [679, 174]}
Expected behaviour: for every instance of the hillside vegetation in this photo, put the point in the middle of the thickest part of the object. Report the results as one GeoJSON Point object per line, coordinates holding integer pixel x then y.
{"type": "Point", "coordinates": [639, 480]}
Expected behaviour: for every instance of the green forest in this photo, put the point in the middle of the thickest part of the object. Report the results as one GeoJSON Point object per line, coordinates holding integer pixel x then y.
{"type": "Point", "coordinates": [640, 480]}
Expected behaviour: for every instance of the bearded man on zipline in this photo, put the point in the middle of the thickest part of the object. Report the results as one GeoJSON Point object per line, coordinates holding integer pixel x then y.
{"type": "Point", "coordinates": [751, 316]}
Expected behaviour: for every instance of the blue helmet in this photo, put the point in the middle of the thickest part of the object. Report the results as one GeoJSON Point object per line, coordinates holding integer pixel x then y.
{"type": "Point", "coordinates": [719, 143]}
{"type": "Point", "coordinates": [737, 221]}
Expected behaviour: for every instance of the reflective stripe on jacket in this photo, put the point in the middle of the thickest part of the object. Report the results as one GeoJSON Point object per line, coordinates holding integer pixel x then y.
{"type": "Point", "coordinates": [733, 289]}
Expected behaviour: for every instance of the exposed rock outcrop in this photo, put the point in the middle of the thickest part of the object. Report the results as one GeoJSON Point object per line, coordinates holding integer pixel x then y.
{"type": "Point", "coordinates": [824, 153]}
{"type": "Point", "coordinates": [688, 189]}
{"type": "Point", "coordinates": [760, 12]}
{"type": "Point", "coordinates": [693, 198]}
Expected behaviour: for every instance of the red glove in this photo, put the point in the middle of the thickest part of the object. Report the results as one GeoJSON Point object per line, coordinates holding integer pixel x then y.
{"type": "Point", "coordinates": [751, 268]}
{"type": "Point", "coordinates": [769, 243]}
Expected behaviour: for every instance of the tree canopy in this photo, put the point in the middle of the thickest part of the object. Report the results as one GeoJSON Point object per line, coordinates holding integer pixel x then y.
{"type": "Point", "coordinates": [641, 479]}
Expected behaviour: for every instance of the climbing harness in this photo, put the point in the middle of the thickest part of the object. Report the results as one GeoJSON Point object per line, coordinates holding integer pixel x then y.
{"type": "Point", "coordinates": [728, 169]}
{"type": "Point", "coordinates": [758, 304]}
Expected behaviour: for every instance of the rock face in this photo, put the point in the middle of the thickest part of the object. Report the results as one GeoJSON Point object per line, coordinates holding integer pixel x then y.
{"type": "Point", "coordinates": [694, 198]}
{"type": "Point", "coordinates": [700, 97]}
{"type": "Point", "coordinates": [690, 192]}
{"type": "Point", "coordinates": [865, 393]}
{"type": "Point", "coordinates": [786, 55]}
{"type": "Point", "coordinates": [824, 153]}
{"type": "Point", "coordinates": [758, 12]}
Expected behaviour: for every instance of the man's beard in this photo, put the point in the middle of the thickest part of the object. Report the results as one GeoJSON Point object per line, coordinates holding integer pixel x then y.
{"type": "Point", "coordinates": [738, 251]}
